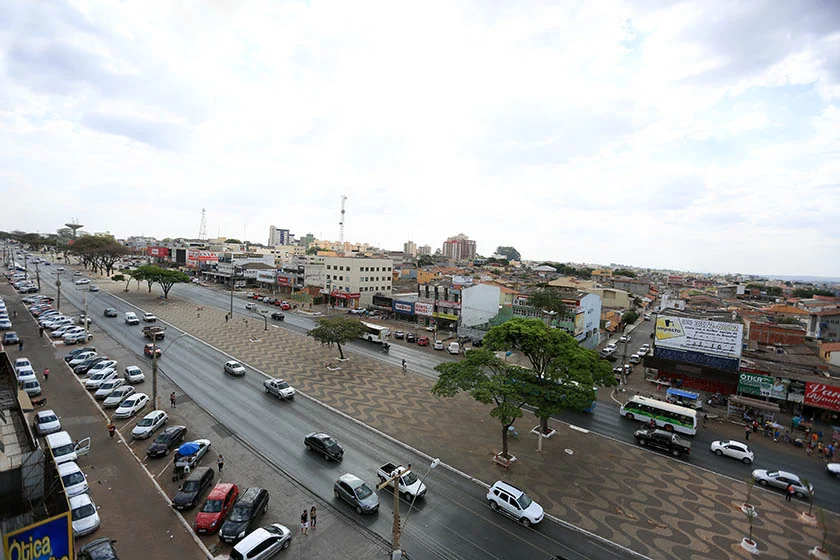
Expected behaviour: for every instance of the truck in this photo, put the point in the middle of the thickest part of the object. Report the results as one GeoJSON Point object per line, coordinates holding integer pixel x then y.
{"type": "Point", "coordinates": [154, 333]}
{"type": "Point", "coordinates": [664, 440]}
{"type": "Point", "coordinates": [408, 485]}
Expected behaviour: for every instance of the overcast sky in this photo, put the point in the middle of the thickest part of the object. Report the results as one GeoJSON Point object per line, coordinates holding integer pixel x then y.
{"type": "Point", "coordinates": [699, 136]}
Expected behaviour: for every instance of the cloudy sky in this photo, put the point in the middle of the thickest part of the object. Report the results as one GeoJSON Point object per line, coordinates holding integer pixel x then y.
{"type": "Point", "coordinates": [698, 136]}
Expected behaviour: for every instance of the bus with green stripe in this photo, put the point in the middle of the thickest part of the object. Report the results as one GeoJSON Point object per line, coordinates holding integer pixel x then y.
{"type": "Point", "coordinates": [667, 416]}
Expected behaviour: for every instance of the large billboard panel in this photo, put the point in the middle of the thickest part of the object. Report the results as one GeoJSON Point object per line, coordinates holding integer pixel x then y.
{"type": "Point", "coordinates": [697, 335]}
{"type": "Point", "coordinates": [424, 308]}
{"type": "Point", "coordinates": [51, 539]}
{"type": "Point", "coordinates": [822, 396]}
{"type": "Point", "coordinates": [763, 385]}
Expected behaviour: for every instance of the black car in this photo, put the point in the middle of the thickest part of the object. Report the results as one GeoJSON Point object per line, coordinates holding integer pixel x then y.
{"type": "Point", "coordinates": [110, 312]}
{"type": "Point", "coordinates": [325, 445]}
{"type": "Point", "coordinates": [278, 316]}
{"type": "Point", "coordinates": [252, 503]}
{"type": "Point", "coordinates": [410, 337]}
{"type": "Point", "coordinates": [89, 363]}
{"type": "Point", "coordinates": [199, 480]}
{"type": "Point", "coordinates": [99, 549]}
{"type": "Point", "coordinates": [76, 351]}
{"type": "Point", "coordinates": [166, 440]}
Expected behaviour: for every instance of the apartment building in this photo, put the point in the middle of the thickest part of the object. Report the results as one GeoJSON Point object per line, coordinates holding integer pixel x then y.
{"type": "Point", "coordinates": [352, 282]}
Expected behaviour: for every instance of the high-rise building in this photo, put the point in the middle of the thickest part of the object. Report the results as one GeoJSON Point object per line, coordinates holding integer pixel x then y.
{"type": "Point", "coordinates": [459, 248]}
{"type": "Point", "coordinates": [279, 237]}
{"type": "Point", "coordinates": [410, 248]}
{"type": "Point", "coordinates": [424, 250]}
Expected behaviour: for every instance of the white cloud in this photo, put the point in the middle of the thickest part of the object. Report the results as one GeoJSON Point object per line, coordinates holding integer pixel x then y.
{"type": "Point", "coordinates": [600, 132]}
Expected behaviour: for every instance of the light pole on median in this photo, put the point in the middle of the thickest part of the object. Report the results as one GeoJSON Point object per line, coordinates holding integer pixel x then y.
{"type": "Point", "coordinates": [58, 290]}
{"type": "Point", "coordinates": [263, 314]}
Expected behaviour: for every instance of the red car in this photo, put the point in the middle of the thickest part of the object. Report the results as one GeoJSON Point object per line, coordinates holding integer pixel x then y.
{"type": "Point", "coordinates": [423, 341]}
{"type": "Point", "coordinates": [285, 305]}
{"type": "Point", "coordinates": [151, 347]}
{"type": "Point", "coordinates": [219, 503]}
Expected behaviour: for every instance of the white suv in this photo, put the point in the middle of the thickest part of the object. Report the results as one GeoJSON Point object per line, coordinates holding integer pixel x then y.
{"type": "Point", "coordinates": [513, 502]}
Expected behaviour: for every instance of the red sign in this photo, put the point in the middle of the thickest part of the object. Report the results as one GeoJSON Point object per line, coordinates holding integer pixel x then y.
{"type": "Point", "coordinates": [345, 295]}
{"type": "Point", "coordinates": [159, 251]}
{"type": "Point", "coordinates": [822, 396]}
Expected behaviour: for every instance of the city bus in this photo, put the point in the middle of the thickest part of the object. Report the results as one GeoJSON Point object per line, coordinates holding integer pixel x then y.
{"type": "Point", "coordinates": [375, 333]}
{"type": "Point", "coordinates": [668, 416]}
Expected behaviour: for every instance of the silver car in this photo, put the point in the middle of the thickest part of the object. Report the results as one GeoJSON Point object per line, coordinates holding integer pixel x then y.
{"type": "Point", "coordinates": [781, 479]}
{"type": "Point", "coordinates": [357, 493]}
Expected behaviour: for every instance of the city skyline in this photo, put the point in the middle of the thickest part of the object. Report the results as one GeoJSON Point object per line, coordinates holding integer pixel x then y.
{"type": "Point", "coordinates": [697, 136]}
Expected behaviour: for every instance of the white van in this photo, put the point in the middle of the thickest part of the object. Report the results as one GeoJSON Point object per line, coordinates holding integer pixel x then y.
{"type": "Point", "coordinates": [131, 318]}
{"type": "Point", "coordinates": [63, 448]}
{"type": "Point", "coordinates": [454, 348]}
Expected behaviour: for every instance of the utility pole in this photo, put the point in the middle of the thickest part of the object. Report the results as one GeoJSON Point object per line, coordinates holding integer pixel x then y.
{"type": "Point", "coordinates": [38, 276]}
{"type": "Point", "coordinates": [58, 290]}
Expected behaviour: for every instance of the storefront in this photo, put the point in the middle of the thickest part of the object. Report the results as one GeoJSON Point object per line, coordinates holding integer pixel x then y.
{"type": "Point", "coordinates": [747, 409]}
{"type": "Point", "coordinates": [345, 300]}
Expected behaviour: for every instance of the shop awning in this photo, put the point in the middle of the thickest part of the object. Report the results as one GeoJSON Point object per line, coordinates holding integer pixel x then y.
{"type": "Point", "coordinates": [754, 403]}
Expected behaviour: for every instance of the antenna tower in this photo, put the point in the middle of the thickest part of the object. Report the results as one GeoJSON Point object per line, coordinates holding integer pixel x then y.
{"type": "Point", "coordinates": [341, 223]}
{"type": "Point", "coordinates": [202, 230]}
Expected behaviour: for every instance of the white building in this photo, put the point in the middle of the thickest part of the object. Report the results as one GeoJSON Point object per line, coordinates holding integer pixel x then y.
{"type": "Point", "coordinates": [277, 236]}
{"type": "Point", "coordinates": [347, 279]}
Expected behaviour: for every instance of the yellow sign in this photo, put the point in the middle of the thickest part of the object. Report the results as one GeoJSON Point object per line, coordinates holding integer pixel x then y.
{"type": "Point", "coordinates": [448, 316]}
{"type": "Point", "coordinates": [668, 327]}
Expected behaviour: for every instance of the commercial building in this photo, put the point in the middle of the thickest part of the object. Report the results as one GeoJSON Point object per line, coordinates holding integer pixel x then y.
{"type": "Point", "coordinates": [352, 282]}
{"type": "Point", "coordinates": [459, 248]}
{"type": "Point", "coordinates": [278, 236]}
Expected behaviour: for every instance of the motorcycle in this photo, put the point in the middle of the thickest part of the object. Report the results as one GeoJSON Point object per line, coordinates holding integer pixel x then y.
{"type": "Point", "coordinates": [39, 402]}
{"type": "Point", "coordinates": [386, 348]}
{"type": "Point", "coordinates": [717, 399]}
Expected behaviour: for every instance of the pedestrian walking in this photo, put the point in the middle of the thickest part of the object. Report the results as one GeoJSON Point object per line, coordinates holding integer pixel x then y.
{"type": "Point", "coordinates": [227, 317]}
{"type": "Point", "coordinates": [111, 428]}
{"type": "Point", "coordinates": [755, 426]}
{"type": "Point", "coordinates": [46, 374]}
{"type": "Point", "coordinates": [41, 332]}
{"type": "Point", "coordinates": [404, 365]}
{"type": "Point", "coordinates": [304, 523]}
{"type": "Point", "coordinates": [747, 431]}
{"type": "Point", "coordinates": [14, 314]}
{"type": "Point", "coordinates": [20, 345]}
{"type": "Point", "coordinates": [172, 399]}
{"type": "Point", "coordinates": [312, 517]}
{"type": "Point", "coordinates": [790, 492]}
{"type": "Point", "coordinates": [221, 463]}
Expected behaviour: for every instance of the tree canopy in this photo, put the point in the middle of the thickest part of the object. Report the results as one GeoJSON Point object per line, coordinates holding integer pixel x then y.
{"type": "Point", "coordinates": [166, 277]}
{"type": "Point", "coordinates": [547, 299]}
{"type": "Point", "coordinates": [99, 252]}
{"type": "Point", "coordinates": [337, 330]}
{"type": "Point", "coordinates": [425, 260]}
{"type": "Point", "coordinates": [624, 272]}
{"type": "Point", "coordinates": [509, 252]}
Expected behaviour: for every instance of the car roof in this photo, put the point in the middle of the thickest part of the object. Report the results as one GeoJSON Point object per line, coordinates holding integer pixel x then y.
{"type": "Point", "coordinates": [509, 488]}
{"type": "Point", "coordinates": [197, 473]}
{"type": "Point", "coordinates": [250, 495]}
{"type": "Point", "coordinates": [59, 438]}
{"type": "Point", "coordinates": [351, 479]}
{"type": "Point", "coordinates": [44, 413]}
{"type": "Point", "coordinates": [79, 500]}
{"type": "Point", "coordinates": [220, 490]}
{"type": "Point", "coordinates": [67, 468]}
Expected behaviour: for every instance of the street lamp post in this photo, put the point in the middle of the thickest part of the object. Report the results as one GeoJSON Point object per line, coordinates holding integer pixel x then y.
{"type": "Point", "coordinates": [263, 315]}
{"type": "Point", "coordinates": [396, 551]}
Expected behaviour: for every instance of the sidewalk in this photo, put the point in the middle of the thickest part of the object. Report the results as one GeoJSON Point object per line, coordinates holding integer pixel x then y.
{"type": "Point", "coordinates": [644, 501]}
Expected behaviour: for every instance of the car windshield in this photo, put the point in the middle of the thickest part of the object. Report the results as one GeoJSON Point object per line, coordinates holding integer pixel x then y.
{"type": "Point", "coordinates": [524, 501]}
{"type": "Point", "coordinates": [240, 513]}
{"type": "Point", "coordinates": [63, 450]}
{"type": "Point", "coordinates": [146, 422]}
{"type": "Point", "coordinates": [48, 419]}
{"type": "Point", "coordinates": [82, 512]}
{"type": "Point", "coordinates": [363, 491]}
{"type": "Point", "coordinates": [190, 486]}
{"type": "Point", "coordinates": [410, 478]}
{"type": "Point", "coordinates": [73, 478]}
{"type": "Point", "coordinates": [282, 385]}
{"type": "Point", "coordinates": [212, 506]}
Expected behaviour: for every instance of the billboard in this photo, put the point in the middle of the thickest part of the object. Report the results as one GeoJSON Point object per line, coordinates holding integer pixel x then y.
{"type": "Point", "coordinates": [763, 385]}
{"type": "Point", "coordinates": [404, 307]}
{"type": "Point", "coordinates": [822, 396]}
{"type": "Point", "coordinates": [424, 308]}
{"type": "Point", "coordinates": [711, 343]}
{"type": "Point", "coordinates": [51, 539]}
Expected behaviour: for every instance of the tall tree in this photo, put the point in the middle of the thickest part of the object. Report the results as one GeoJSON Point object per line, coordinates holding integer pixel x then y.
{"type": "Point", "coordinates": [509, 252]}
{"type": "Point", "coordinates": [547, 299]}
{"type": "Point", "coordinates": [167, 278]}
{"type": "Point", "coordinates": [562, 372]}
{"type": "Point", "coordinates": [489, 380]}
{"type": "Point", "coordinates": [624, 272]}
{"type": "Point", "coordinates": [337, 330]}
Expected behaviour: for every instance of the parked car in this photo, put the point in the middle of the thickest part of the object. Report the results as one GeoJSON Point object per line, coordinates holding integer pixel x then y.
{"type": "Point", "coordinates": [234, 368]}
{"type": "Point", "coordinates": [107, 388]}
{"type": "Point", "coordinates": [149, 424]}
{"type": "Point", "coordinates": [410, 337]}
{"type": "Point", "coordinates": [99, 549]}
{"type": "Point", "coordinates": [77, 337]}
{"type": "Point", "coordinates": [100, 366]}
{"type": "Point", "coordinates": [85, 519]}
{"type": "Point", "coordinates": [166, 440]}
{"type": "Point", "coordinates": [734, 449]}
{"type": "Point", "coordinates": [31, 387]}
{"type": "Point", "coordinates": [399, 335]}
{"type": "Point", "coordinates": [132, 405]}
{"type": "Point", "coordinates": [262, 543]}
{"type": "Point", "coordinates": [99, 377]}
{"type": "Point", "coordinates": [47, 422]}
{"type": "Point", "coordinates": [76, 351]}
{"type": "Point", "coordinates": [134, 374]}
{"type": "Point", "coordinates": [423, 341]}
{"type": "Point", "coordinates": [10, 337]}
{"type": "Point", "coordinates": [624, 338]}
{"type": "Point", "coordinates": [216, 508]}
{"type": "Point", "coordinates": [85, 365]}
{"type": "Point", "coordinates": [513, 502]}
{"type": "Point", "coordinates": [357, 493]}
{"type": "Point", "coordinates": [64, 449]}
{"type": "Point", "coordinates": [325, 445]}
{"type": "Point", "coordinates": [74, 480]}
{"type": "Point", "coordinates": [781, 479]}
{"type": "Point", "coordinates": [118, 396]}
{"type": "Point", "coordinates": [198, 481]}
{"type": "Point", "coordinates": [201, 446]}
{"type": "Point", "coordinates": [110, 312]}
{"type": "Point", "coordinates": [25, 374]}
{"type": "Point", "coordinates": [438, 345]}
{"type": "Point", "coordinates": [252, 504]}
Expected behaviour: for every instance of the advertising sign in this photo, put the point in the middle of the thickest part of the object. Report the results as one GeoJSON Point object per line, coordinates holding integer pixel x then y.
{"type": "Point", "coordinates": [462, 280]}
{"type": "Point", "coordinates": [423, 308]}
{"type": "Point", "coordinates": [580, 323]}
{"type": "Point", "coordinates": [51, 539]}
{"type": "Point", "coordinates": [447, 316]}
{"type": "Point", "coordinates": [762, 385]}
{"type": "Point", "coordinates": [445, 303]}
{"type": "Point", "coordinates": [695, 335]}
{"type": "Point", "coordinates": [284, 281]}
{"type": "Point", "coordinates": [822, 396]}
{"type": "Point", "coordinates": [403, 307]}
{"type": "Point", "coordinates": [796, 391]}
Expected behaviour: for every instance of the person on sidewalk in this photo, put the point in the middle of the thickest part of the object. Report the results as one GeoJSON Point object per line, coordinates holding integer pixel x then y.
{"type": "Point", "coordinates": [20, 345]}
{"type": "Point", "coordinates": [404, 365]}
{"type": "Point", "coordinates": [46, 374]}
{"type": "Point", "coordinates": [790, 492]}
{"type": "Point", "coordinates": [304, 523]}
{"type": "Point", "coordinates": [41, 332]}
{"type": "Point", "coordinates": [747, 431]}
{"type": "Point", "coordinates": [172, 399]}
{"type": "Point", "coordinates": [111, 428]}
{"type": "Point", "coordinates": [312, 516]}
{"type": "Point", "coordinates": [221, 463]}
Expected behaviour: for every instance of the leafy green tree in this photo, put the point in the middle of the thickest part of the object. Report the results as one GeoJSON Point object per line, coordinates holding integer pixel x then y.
{"type": "Point", "coordinates": [313, 250]}
{"type": "Point", "coordinates": [547, 299]}
{"type": "Point", "coordinates": [562, 374]}
{"type": "Point", "coordinates": [425, 260]}
{"type": "Point", "coordinates": [233, 241]}
{"type": "Point", "coordinates": [144, 273]}
{"type": "Point", "coordinates": [629, 317]}
{"type": "Point", "coordinates": [167, 278]}
{"type": "Point", "coordinates": [489, 380]}
{"type": "Point", "coordinates": [509, 252]}
{"type": "Point", "coordinates": [337, 330]}
{"type": "Point", "coordinates": [624, 272]}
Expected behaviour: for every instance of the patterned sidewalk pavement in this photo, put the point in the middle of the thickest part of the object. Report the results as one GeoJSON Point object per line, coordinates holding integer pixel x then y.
{"type": "Point", "coordinates": [644, 501]}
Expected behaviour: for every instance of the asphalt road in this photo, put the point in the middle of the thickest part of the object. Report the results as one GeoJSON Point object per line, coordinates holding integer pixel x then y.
{"type": "Point", "coordinates": [453, 521]}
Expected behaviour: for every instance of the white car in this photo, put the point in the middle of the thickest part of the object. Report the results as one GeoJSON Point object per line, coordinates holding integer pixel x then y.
{"type": "Point", "coordinates": [85, 517]}
{"type": "Point", "coordinates": [234, 368]}
{"type": "Point", "coordinates": [26, 374]}
{"type": "Point", "coordinates": [149, 317]}
{"type": "Point", "coordinates": [108, 387]}
{"type": "Point", "coordinates": [635, 359]}
{"type": "Point", "coordinates": [132, 405]}
{"type": "Point", "coordinates": [31, 387]}
{"type": "Point", "coordinates": [263, 543]}
{"type": "Point", "coordinates": [250, 306]}
{"type": "Point", "coordinates": [75, 481]}
{"type": "Point", "coordinates": [624, 338]}
{"type": "Point", "coordinates": [118, 396]}
{"type": "Point", "coordinates": [151, 422]}
{"type": "Point", "coordinates": [22, 363]}
{"type": "Point", "coordinates": [100, 377]}
{"type": "Point", "coordinates": [82, 281]}
{"type": "Point", "coordinates": [438, 345]}
{"type": "Point", "coordinates": [833, 469]}
{"type": "Point", "coordinates": [76, 337]}
{"type": "Point", "coordinates": [513, 502]}
{"type": "Point", "coordinates": [82, 357]}
{"type": "Point", "coordinates": [47, 422]}
{"type": "Point", "coordinates": [734, 449]}
{"type": "Point", "coordinates": [134, 374]}
{"type": "Point", "coordinates": [61, 331]}
{"type": "Point", "coordinates": [101, 366]}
